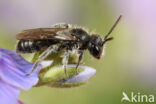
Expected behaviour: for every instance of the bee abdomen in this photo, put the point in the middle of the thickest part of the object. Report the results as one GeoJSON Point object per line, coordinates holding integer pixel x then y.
{"type": "Point", "coordinates": [26, 46]}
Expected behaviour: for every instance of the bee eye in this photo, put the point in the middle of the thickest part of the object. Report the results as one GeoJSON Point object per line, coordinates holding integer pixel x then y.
{"type": "Point", "coordinates": [97, 48]}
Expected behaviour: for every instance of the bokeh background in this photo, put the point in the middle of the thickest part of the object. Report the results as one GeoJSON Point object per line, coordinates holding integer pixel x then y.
{"type": "Point", "coordinates": [129, 64]}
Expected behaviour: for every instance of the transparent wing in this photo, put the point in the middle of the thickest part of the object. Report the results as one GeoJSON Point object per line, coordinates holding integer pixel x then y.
{"type": "Point", "coordinates": [44, 33]}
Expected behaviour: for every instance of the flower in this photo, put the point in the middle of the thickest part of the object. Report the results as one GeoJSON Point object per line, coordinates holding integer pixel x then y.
{"type": "Point", "coordinates": [82, 76]}
{"type": "Point", "coordinates": [55, 76]}
{"type": "Point", "coordinates": [19, 102]}
{"type": "Point", "coordinates": [13, 70]}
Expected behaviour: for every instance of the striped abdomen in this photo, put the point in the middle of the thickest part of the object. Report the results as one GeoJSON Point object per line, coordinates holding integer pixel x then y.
{"type": "Point", "coordinates": [28, 46]}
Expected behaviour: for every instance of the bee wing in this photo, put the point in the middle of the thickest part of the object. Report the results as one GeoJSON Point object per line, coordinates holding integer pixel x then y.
{"type": "Point", "coordinates": [44, 33]}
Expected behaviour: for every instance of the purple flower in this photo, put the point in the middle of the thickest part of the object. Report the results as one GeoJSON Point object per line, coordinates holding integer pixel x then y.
{"type": "Point", "coordinates": [19, 102]}
{"type": "Point", "coordinates": [13, 70]}
{"type": "Point", "coordinates": [82, 76]}
{"type": "Point", "coordinates": [55, 76]}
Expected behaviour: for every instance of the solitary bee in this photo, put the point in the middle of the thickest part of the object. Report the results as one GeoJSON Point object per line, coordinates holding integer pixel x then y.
{"type": "Point", "coordinates": [59, 37]}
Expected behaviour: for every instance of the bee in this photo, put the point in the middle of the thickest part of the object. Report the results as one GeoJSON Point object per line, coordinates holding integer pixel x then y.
{"type": "Point", "coordinates": [61, 37]}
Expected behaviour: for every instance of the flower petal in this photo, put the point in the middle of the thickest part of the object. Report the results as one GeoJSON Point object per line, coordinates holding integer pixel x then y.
{"type": "Point", "coordinates": [13, 70]}
{"type": "Point", "coordinates": [46, 63]}
{"type": "Point", "coordinates": [82, 76]}
{"type": "Point", "coordinates": [19, 102]}
{"type": "Point", "coordinates": [8, 93]}
{"type": "Point", "coordinates": [55, 76]}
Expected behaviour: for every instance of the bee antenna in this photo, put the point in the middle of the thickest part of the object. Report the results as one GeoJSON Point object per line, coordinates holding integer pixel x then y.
{"type": "Point", "coordinates": [110, 31]}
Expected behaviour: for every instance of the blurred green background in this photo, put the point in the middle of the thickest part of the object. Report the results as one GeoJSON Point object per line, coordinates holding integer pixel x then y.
{"type": "Point", "coordinates": [129, 61]}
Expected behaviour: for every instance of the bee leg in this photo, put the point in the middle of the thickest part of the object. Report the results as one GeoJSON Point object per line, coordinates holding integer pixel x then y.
{"type": "Point", "coordinates": [16, 48]}
{"type": "Point", "coordinates": [61, 25]}
{"type": "Point", "coordinates": [65, 61]}
{"type": "Point", "coordinates": [79, 60]}
{"type": "Point", "coordinates": [44, 55]}
{"type": "Point", "coordinates": [17, 52]}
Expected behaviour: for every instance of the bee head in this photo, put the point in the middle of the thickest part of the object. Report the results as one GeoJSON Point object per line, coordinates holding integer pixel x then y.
{"type": "Point", "coordinates": [95, 46]}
